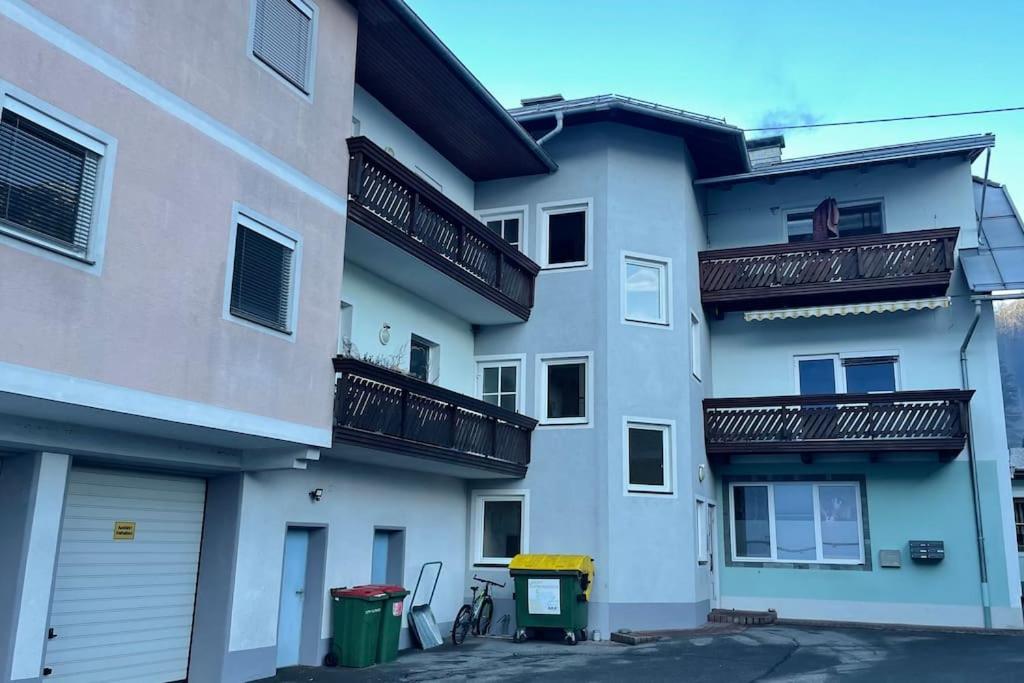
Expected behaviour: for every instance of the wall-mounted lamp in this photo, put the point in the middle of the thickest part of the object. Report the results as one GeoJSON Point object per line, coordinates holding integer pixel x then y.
{"type": "Point", "coordinates": [385, 334]}
{"type": "Point", "coordinates": [316, 494]}
{"type": "Point", "coordinates": [700, 472]}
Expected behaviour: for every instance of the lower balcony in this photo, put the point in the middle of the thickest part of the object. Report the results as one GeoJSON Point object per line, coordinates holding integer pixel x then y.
{"type": "Point", "coordinates": [899, 422]}
{"type": "Point", "coordinates": [385, 417]}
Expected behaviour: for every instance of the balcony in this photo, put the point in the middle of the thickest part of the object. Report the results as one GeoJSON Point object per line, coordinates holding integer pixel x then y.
{"type": "Point", "coordinates": [898, 422]}
{"type": "Point", "coordinates": [889, 267]}
{"type": "Point", "coordinates": [416, 237]}
{"type": "Point", "coordinates": [389, 418]}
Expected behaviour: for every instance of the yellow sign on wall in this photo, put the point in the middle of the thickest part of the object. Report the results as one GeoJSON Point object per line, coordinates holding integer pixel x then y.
{"type": "Point", "coordinates": [124, 531]}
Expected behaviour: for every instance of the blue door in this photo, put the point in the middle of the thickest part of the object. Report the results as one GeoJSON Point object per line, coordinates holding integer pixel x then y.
{"type": "Point", "coordinates": [293, 594]}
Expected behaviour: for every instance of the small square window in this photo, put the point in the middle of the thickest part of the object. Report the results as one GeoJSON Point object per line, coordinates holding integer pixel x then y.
{"type": "Point", "coordinates": [283, 39]}
{"type": "Point", "coordinates": [498, 383]}
{"type": "Point", "coordinates": [645, 296]}
{"type": "Point", "coordinates": [499, 527]}
{"type": "Point", "coordinates": [263, 274]}
{"type": "Point", "coordinates": [508, 223]}
{"type": "Point", "coordinates": [563, 390]}
{"type": "Point", "coordinates": [565, 233]}
{"type": "Point", "coordinates": [506, 228]}
{"type": "Point", "coordinates": [648, 457]}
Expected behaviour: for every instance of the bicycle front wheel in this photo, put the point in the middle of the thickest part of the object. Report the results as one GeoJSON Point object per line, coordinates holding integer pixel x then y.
{"type": "Point", "coordinates": [483, 620]}
{"type": "Point", "coordinates": [463, 622]}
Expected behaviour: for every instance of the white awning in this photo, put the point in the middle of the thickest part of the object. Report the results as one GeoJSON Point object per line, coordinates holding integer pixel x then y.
{"type": "Point", "coordinates": [848, 309]}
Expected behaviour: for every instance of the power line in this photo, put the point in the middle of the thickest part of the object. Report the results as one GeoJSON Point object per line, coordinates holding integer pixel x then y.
{"type": "Point", "coordinates": [887, 120]}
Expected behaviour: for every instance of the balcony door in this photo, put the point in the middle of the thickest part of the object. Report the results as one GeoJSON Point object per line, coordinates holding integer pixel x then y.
{"type": "Point", "coordinates": [838, 374]}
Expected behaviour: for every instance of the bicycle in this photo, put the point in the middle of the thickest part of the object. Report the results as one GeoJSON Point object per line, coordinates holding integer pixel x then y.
{"type": "Point", "coordinates": [477, 615]}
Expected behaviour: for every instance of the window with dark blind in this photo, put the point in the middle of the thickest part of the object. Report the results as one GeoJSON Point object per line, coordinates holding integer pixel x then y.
{"type": "Point", "coordinates": [261, 280]}
{"type": "Point", "coordinates": [47, 185]}
{"type": "Point", "coordinates": [283, 39]}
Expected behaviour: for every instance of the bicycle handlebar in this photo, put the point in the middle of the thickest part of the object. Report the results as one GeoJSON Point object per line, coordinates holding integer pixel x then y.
{"type": "Point", "coordinates": [493, 583]}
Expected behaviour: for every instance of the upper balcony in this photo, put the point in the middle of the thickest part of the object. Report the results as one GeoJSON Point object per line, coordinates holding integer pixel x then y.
{"type": "Point", "coordinates": [896, 422]}
{"type": "Point", "coordinates": [386, 417]}
{"type": "Point", "coordinates": [888, 267]}
{"type": "Point", "coordinates": [408, 232]}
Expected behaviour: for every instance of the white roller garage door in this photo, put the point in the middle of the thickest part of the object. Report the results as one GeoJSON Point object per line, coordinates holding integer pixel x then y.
{"type": "Point", "coordinates": [126, 577]}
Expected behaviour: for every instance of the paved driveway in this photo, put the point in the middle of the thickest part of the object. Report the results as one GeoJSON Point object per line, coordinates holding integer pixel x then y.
{"type": "Point", "coordinates": [718, 653]}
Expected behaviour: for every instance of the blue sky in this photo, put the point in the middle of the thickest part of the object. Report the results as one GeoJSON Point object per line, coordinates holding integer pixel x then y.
{"type": "Point", "coordinates": [746, 61]}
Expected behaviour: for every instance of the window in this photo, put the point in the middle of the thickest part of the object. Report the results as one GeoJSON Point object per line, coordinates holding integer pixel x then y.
{"type": "Point", "coordinates": [284, 39]}
{"type": "Point", "coordinates": [854, 220]}
{"type": "Point", "coordinates": [499, 526]}
{"type": "Point", "coordinates": [50, 180]}
{"type": "Point", "coordinates": [645, 290]}
{"type": "Point", "coordinates": [565, 235]}
{"type": "Point", "coordinates": [498, 382]}
{"type": "Point", "coordinates": [506, 228]}
{"type": "Point", "coordinates": [563, 391]}
{"type": "Point", "coordinates": [423, 359]}
{"type": "Point", "coordinates": [804, 522]}
{"type": "Point", "coordinates": [839, 374]}
{"type": "Point", "coordinates": [1018, 518]}
{"type": "Point", "coordinates": [648, 457]}
{"type": "Point", "coordinates": [263, 274]}
{"type": "Point", "coordinates": [696, 338]}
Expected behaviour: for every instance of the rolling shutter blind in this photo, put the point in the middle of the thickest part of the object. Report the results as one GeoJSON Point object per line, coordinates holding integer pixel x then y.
{"type": "Point", "coordinates": [281, 39]}
{"type": "Point", "coordinates": [47, 184]}
{"type": "Point", "coordinates": [261, 283]}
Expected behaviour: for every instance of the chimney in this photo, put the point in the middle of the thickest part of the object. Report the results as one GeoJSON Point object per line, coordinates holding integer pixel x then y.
{"type": "Point", "coordinates": [765, 151]}
{"type": "Point", "coordinates": [545, 99]}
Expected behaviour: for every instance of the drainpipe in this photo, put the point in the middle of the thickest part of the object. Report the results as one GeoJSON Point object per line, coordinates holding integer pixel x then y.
{"type": "Point", "coordinates": [986, 601]}
{"type": "Point", "coordinates": [559, 119]}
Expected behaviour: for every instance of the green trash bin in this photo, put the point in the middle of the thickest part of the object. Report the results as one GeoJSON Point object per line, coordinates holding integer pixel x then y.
{"type": "Point", "coordinates": [552, 592]}
{"type": "Point", "coordinates": [390, 622]}
{"type": "Point", "coordinates": [357, 616]}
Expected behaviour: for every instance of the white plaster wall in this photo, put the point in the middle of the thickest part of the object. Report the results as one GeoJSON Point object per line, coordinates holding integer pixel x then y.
{"type": "Point", "coordinates": [930, 194]}
{"type": "Point", "coordinates": [387, 130]}
{"type": "Point", "coordinates": [376, 301]}
{"type": "Point", "coordinates": [431, 509]}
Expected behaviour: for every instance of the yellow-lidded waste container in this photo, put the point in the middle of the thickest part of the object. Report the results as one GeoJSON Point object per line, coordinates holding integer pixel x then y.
{"type": "Point", "coordinates": [552, 592]}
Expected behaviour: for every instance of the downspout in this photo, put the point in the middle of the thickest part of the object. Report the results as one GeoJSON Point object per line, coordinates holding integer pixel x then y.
{"type": "Point", "coordinates": [559, 120]}
{"type": "Point", "coordinates": [986, 601]}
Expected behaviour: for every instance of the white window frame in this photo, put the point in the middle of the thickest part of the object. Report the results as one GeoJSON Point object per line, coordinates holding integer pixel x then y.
{"type": "Point", "coordinates": [803, 208]}
{"type": "Point", "coordinates": [433, 357]}
{"type": "Point", "coordinates": [91, 138]}
{"type": "Point", "coordinates": [498, 361]}
{"type": "Point", "coordinates": [840, 373]}
{"type": "Point", "coordinates": [311, 10]}
{"type": "Point", "coordinates": [479, 499]}
{"type": "Point", "coordinates": [546, 359]}
{"type": "Point", "coordinates": [696, 346]}
{"type": "Point", "coordinates": [271, 229]}
{"type": "Point", "coordinates": [664, 266]}
{"type": "Point", "coordinates": [506, 212]}
{"type": "Point", "coordinates": [773, 559]}
{"type": "Point", "coordinates": [546, 209]}
{"type": "Point", "coordinates": [667, 428]}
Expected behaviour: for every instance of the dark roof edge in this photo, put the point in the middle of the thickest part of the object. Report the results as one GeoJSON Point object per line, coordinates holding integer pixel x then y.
{"type": "Point", "coordinates": [413, 21]}
{"type": "Point", "coordinates": [606, 102]}
{"type": "Point", "coordinates": [832, 161]}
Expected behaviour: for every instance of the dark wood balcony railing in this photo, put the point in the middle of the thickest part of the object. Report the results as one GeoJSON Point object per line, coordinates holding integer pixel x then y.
{"type": "Point", "coordinates": [933, 420]}
{"type": "Point", "coordinates": [388, 410]}
{"type": "Point", "coordinates": [398, 205]}
{"type": "Point", "coordinates": [885, 267]}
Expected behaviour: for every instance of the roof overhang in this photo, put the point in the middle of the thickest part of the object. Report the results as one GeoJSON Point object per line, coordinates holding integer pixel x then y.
{"type": "Point", "coordinates": [969, 146]}
{"type": "Point", "coordinates": [716, 147]}
{"type": "Point", "coordinates": [405, 66]}
{"type": "Point", "coordinates": [848, 309]}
